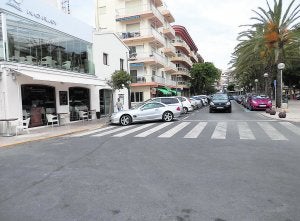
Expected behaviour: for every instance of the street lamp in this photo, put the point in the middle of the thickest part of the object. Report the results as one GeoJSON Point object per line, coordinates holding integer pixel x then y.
{"type": "Point", "coordinates": [280, 67]}
{"type": "Point", "coordinates": [250, 87]}
{"type": "Point", "coordinates": [266, 75]}
{"type": "Point", "coordinates": [256, 81]}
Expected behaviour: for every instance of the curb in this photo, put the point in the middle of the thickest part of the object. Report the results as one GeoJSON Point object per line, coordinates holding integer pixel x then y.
{"type": "Point", "coordinates": [49, 137]}
{"type": "Point", "coordinates": [277, 118]}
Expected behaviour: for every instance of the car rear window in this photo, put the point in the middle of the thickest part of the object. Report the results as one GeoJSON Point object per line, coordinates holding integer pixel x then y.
{"type": "Point", "coordinates": [169, 100]}
{"type": "Point", "coordinates": [220, 97]}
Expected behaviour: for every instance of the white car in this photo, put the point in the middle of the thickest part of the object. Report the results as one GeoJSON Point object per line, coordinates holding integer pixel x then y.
{"type": "Point", "coordinates": [146, 112]}
{"type": "Point", "coordinates": [196, 104]}
{"type": "Point", "coordinates": [187, 106]}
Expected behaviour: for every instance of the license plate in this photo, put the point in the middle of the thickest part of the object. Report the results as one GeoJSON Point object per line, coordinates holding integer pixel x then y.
{"type": "Point", "coordinates": [262, 105]}
{"type": "Point", "coordinates": [220, 107]}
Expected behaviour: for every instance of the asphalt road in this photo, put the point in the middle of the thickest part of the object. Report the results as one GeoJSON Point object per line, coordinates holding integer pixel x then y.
{"type": "Point", "coordinates": [237, 166]}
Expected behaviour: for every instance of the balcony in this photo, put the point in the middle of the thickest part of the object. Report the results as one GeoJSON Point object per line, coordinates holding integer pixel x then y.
{"type": "Point", "coordinates": [169, 51]}
{"type": "Point", "coordinates": [140, 12]}
{"type": "Point", "coordinates": [138, 79]}
{"type": "Point", "coordinates": [147, 58]}
{"type": "Point", "coordinates": [157, 3]}
{"type": "Point", "coordinates": [152, 80]}
{"type": "Point", "coordinates": [169, 31]}
{"type": "Point", "coordinates": [144, 35]}
{"type": "Point", "coordinates": [178, 43]}
{"type": "Point", "coordinates": [183, 84]}
{"type": "Point", "coordinates": [193, 57]}
{"type": "Point", "coordinates": [170, 68]}
{"type": "Point", "coordinates": [183, 59]}
{"type": "Point", "coordinates": [167, 14]}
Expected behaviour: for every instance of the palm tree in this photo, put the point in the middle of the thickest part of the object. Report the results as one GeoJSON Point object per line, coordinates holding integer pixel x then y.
{"type": "Point", "coordinates": [279, 31]}
{"type": "Point", "coordinates": [275, 32]}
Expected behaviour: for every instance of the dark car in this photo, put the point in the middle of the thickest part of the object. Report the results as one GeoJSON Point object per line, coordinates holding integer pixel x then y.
{"type": "Point", "coordinates": [220, 102]}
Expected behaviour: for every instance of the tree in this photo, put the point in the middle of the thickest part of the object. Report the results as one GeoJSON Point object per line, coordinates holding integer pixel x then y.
{"type": "Point", "coordinates": [119, 80]}
{"type": "Point", "coordinates": [268, 42]}
{"type": "Point", "coordinates": [204, 75]}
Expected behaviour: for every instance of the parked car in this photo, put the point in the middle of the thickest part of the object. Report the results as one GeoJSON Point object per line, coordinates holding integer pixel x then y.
{"type": "Point", "coordinates": [259, 102]}
{"type": "Point", "coordinates": [187, 106]}
{"type": "Point", "coordinates": [220, 102]}
{"type": "Point", "coordinates": [298, 96]}
{"type": "Point", "coordinates": [171, 101]}
{"type": "Point", "coordinates": [196, 104]}
{"type": "Point", "coordinates": [201, 100]}
{"type": "Point", "coordinates": [146, 112]}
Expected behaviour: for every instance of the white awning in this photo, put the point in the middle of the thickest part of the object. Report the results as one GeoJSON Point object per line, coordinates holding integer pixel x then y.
{"type": "Point", "coordinates": [66, 78]}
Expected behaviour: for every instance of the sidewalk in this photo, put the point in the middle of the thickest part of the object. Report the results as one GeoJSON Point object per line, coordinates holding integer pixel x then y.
{"type": "Point", "coordinates": [292, 112]}
{"type": "Point", "coordinates": [42, 133]}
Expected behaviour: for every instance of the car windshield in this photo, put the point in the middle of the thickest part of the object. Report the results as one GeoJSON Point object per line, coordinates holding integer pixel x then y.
{"type": "Point", "coordinates": [137, 105]}
{"type": "Point", "coordinates": [260, 97]}
{"type": "Point", "coordinates": [220, 97]}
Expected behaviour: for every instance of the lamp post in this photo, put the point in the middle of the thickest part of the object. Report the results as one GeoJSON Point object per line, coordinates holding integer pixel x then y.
{"type": "Point", "coordinates": [250, 87]}
{"type": "Point", "coordinates": [256, 81]}
{"type": "Point", "coordinates": [266, 75]}
{"type": "Point", "coordinates": [280, 67]}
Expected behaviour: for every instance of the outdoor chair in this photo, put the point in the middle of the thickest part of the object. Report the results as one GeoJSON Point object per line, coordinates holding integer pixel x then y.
{"type": "Point", "coordinates": [83, 115]}
{"type": "Point", "coordinates": [46, 61]}
{"type": "Point", "coordinates": [51, 118]}
{"type": "Point", "coordinates": [66, 65]}
{"type": "Point", "coordinates": [23, 127]}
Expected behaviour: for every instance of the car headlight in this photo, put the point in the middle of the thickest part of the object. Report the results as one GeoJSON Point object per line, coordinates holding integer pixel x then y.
{"type": "Point", "coordinates": [212, 103]}
{"type": "Point", "coordinates": [228, 103]}
{"type": "Point", "coordinates": [254, 102]}
{"type": "Point", "coordinates": [269, 102]}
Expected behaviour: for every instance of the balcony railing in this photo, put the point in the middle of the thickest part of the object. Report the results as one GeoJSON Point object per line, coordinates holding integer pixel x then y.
{"type": "Point", "coordinates": [138, 79]}
{"type": "Point", "coordinates": [142, 33]}
{"type": "Point", "coordinates": [182, 44]}
{"type": "Point", "coordinates": [147, 10]}
{"type": "Point", "coordinates": [184, 58]}
{"type": "Point", "coordinates": [148, 57]}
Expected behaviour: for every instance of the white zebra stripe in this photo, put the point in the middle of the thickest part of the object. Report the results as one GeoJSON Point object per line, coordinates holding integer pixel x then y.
{"type": "Point", "coordinates": [174, 130]}
{"type": "Point", "coordinates": [154, 129]}
{"type": "Point", "coordinates": [112, 131]}
{"type": "Point", "coordinates": [196, 131]}
{"type": "Point", "coordinates": [245, 132]}
{"type": "Point", "coordinates": [220, 131]}
{"type": "Point", "coordinates": [291, 127]}
{"type": "Point", "coordinates": [92, 132]}
{"type": "Point", "coordinates": [272, 132]}
{"type": "Point", "coordinates": [133, 130]}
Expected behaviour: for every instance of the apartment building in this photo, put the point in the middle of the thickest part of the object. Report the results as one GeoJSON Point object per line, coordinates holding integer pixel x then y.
{"type": "Point", "coordinates": [160, 57]}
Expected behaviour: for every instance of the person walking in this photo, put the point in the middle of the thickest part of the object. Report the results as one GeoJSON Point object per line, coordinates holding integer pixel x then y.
{"type": "Point", "coordinates": [119, 105]}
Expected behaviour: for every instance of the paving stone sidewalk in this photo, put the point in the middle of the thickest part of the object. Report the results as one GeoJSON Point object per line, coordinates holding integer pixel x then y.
{"type": "Point", "coordinates": [292, 112]}
{"type": "Point", "coordinates": [47, 132]}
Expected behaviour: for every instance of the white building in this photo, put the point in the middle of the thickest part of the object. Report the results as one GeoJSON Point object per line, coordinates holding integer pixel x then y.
{"type": "Point", "coordinates": [159, 58]}
{"type": "Point", "coordinates": [49, 64]}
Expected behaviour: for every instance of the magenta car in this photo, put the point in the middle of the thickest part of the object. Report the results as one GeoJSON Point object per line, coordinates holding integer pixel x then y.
{"type": "Point", "coordinates": [259, 102]}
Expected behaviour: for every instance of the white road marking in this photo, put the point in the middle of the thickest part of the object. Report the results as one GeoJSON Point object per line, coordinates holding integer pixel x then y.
{"type": "Point", "coordinates": [112, 131]}
{"type": "Point", "coordinates": [92, 132]}
{"type": "Point", "coordinates": [133, 130]}
{"type": "Point", "coordinates": [220, 131]}
{"type": "Point", "coordinates": [174, 130]}
{"type": "Point", "coordinates": [272, 132]}
{"type": "Point", "coordinates": [196, 131]}
{"type": "Point", "coordinates": [245, 132]}
{"type": "Point", "coordinates": [154, 129]}
{"type": "Point", "coordinates": [291, 127]}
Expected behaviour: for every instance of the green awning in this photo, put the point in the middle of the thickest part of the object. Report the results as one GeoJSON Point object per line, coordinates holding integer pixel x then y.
{"type": "Point", "coordinates": [174, 92]}
{"type": "Point", "coordinates": [164, 91]}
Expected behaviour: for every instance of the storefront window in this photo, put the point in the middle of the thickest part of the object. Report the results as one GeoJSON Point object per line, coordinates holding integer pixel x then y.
{"type": "Point", "coordinates": [34, 44]}
{"type": "Point", "coordinates": [79, 101]}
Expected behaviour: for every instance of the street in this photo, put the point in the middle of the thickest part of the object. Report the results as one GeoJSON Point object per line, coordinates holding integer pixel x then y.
{"type": "Point", "coordinates": [238, 166]}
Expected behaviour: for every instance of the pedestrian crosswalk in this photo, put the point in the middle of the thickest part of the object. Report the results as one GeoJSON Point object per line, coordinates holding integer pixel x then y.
{"type": "Point", "coordinates": [243, 130]}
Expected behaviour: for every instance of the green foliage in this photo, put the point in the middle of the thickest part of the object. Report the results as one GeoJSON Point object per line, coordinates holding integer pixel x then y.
{"type": "Point", "coordinates": [119, 80]}
{"type": "Point", "coordinates": [204, 75]}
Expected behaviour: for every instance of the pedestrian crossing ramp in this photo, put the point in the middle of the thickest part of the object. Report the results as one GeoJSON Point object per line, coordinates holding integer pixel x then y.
{"type": "Point", "coordinates": [242, 130]}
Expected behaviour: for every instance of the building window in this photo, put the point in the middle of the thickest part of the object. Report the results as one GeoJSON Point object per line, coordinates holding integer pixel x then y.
{"type": "Point", "coordinates": [105, 59]}
{"type": "Point", "coordinates": [137, 96]}
{"type": "Point", "coordinates": [121, 64]}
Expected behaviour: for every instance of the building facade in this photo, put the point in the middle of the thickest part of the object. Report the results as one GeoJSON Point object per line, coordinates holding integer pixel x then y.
{"type": "Point", "coordinates": [50, 65]}
{"type": "Point", "coordinates": [159, 57]}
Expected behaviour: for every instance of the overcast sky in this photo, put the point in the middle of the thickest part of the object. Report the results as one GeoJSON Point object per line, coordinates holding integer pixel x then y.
{"type": "Point", "coordinates": [213, 24]}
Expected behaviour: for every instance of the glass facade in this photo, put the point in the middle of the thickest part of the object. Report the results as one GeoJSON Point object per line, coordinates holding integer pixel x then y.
{"type": "Point", "coordinates": [34, 44]}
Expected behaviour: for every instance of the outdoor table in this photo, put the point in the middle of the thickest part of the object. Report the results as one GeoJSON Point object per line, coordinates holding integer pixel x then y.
{"type": "Point", "coordinates": [8, 120]}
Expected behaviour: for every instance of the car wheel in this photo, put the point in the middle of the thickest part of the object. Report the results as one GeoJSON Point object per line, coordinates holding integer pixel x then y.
{"type": "Point", "coordinates": [229, 110]}
{"type": "Point", "coordinates": [167, 116]}
{"type": "Point", "coordinates": [250, 108]}
{"type": "Point", "coordinates": [211, 111]}
{"type": "Point", "coordinates": [185, 110]}
{"type": "Point", "coordinates": [125, 120]}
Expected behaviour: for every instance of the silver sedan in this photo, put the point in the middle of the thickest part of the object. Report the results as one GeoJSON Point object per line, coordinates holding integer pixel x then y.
{"type": "Point", "coordinates": [146, 112]}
